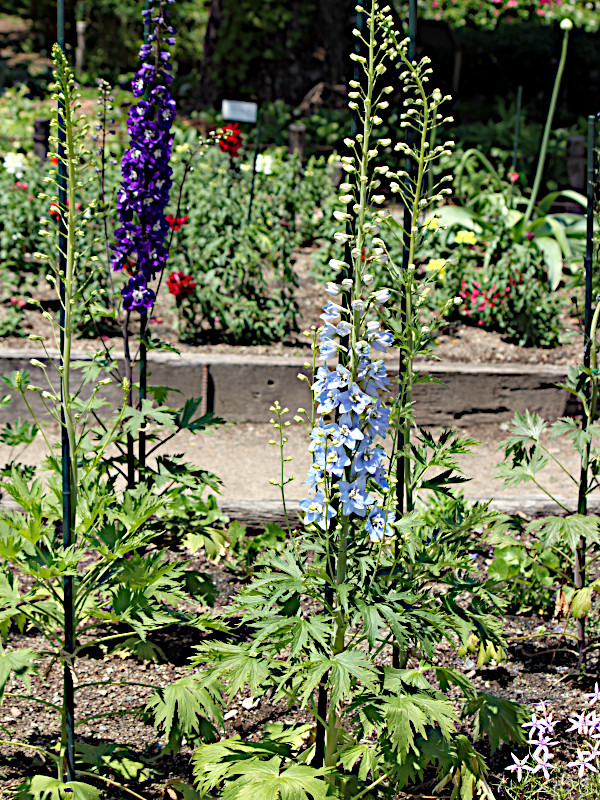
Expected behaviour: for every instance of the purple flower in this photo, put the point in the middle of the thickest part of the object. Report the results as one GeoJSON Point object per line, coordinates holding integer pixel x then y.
{"type": "Point", "coordinates": [141, 239]}
{"type": "Point", "coordinates": [541, 759]}
{"type": "Point", "coordinates": [583, 762]}
{"type": "Point", "coordinates": [579, 724]}
{"type": "Point", "coordinates": [136, 295]}
{"type": "Point", "coordinates": [593, 697]}
{"type": "Point", "coordinates": [519, 766]}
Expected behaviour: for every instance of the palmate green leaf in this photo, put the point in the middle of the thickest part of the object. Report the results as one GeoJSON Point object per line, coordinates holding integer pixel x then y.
{"type": "Point", "coordinates": [142, 649]}
{"type": "Point", "coordinates": [569, 427]}
{"type": "Point", "coordinates": [136, 507]}
{"type": "Point", "coordinates": [185, 417]}
{"type": "Point", "coordinates": [523, 472]}
{"type": "Point", "coordinates": [372, 620]}
{"type": "Point", "coordinates": [9, 591]}
{"type": "Point", "coordinates": [525, 428]}
{"type": "Point", "coordinates": [179, 705]}
{"type": "Point", "coordinates": [21, 662]}
{"type": "Point", "coordinates": [409, 715]}
{"type": "Point", "coordinates": [236, 663]}
{"type": "Point", "coordinates": [138, 608]}
{"type": "Point", "coordinates": [175, 467]}
{"type": "Point", "coordinates": [107, 755]}
{"type": "Point", "coordinates": [497, 718]}
{"type": "Point", "coordinates": [265, 780]}
{"type": "Point", "coordinates": [368, 758]}
{"type": "Point", "coordinates": [41, 787]}
{"type": "Point", "coordinates": [302, 634]}
{"type": "Point", "coordinates": [18, 432]}
{"type": "Point", "coordinates": [565, 530]}
{"type": "Point", "coordinates": [135, 419]}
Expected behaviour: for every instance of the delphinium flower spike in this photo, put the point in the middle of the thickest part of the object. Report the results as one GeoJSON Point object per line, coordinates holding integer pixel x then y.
{"type": "Point", "coordinates": [141, 239]}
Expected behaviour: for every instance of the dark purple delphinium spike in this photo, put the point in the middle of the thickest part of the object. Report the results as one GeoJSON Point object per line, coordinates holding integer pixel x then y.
{"type": "Point", "coordinates": [144, 193]}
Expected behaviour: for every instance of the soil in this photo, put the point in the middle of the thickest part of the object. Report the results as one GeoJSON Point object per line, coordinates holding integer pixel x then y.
{"type": "Point", "coordinates": [536, 669]}
{"type": "Point", "coordinates": [454, 342]}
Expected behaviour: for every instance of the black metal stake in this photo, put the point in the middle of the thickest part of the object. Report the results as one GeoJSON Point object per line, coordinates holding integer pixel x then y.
{"type": "Point", "coordinates": [67, 510]}
{"type": "Point", "coordinates": [517, 132]}
{"type": "Point", "coordinates": [582, 504]}
{"type": "Point", "coordinates": [407, 221]}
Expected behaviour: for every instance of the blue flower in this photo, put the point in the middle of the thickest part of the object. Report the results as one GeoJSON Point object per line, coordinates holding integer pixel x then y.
{"type": "Point", "coordinates": [368, 458]}
{"type": "Point", "coordinates": [354, 496]}
{"type": "Point", "coordinates": [380, 340]}
{"type": "Point", "coordinates": [374, 377]}
{"type": "Point", "coordinates": [348, 433]}
{"type": "Point", "coordinates": [331, 312]}
{"type": "Point", "coordinates": [379, 524]}
{"type": "Point", "coordinates": [354, 399]}
{"type": "Point", "coordinates": [317, 510]}
{"type": "Point", "coordinates": [331, 459]}
{"type": "Point", "coordinates": [378, 419]}
{"type": "Point", "coordinates": [314, 477]}
{"type": "Point", "coordinates": [328, 349]}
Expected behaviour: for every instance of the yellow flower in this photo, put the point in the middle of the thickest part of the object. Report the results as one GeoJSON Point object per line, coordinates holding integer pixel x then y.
{"type": "Point", "coordinates": [437, 265]}
{"type": "Point", "coordinates": [465, 237]}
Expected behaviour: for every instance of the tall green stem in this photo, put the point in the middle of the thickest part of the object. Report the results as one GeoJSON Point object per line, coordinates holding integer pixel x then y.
{"type": "Point", "coordinates": [66, 258]}
{"type": "Point", "coordinates": [549, 120]}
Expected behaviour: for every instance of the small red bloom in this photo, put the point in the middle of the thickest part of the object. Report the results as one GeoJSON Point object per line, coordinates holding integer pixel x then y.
{"type": "Point", "coordinates": [230, 139]}
{"type": "Point", "coordinates": [54, 161]}
{"type": "Point", "coordinates": [176, 223]}
{"type": "Point", "coordinates": [19, 302]}
{"type": "Point", "coordinates": [181, 284]}
{"type": "Point", "coordinates": [23, 185]}
{"type": "Point", "coordinates": [55, 211]}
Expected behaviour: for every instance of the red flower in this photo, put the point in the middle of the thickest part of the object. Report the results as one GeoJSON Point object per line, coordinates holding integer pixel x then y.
{"type": "Point", "coordinates": [54, 161]}
{"type": "Point", "coordinates": [55, 211]}
{"type": "Point", "coordinates": [18, 301]}
{"type": "Point", "coordinates": [181, 284]}
{"type": "Point", "coordinates": [176, 223]}
{"type": "Point", "coordinates": [230, 139]}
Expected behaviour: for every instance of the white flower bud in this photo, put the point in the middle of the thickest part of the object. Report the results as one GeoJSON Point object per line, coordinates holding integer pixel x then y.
{"type": "Point", "coordinates": [566, 24]}
{"type": "Point", "coordinates": [341, 216]}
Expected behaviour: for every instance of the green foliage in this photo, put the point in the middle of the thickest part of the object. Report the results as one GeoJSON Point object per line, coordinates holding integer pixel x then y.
{"type": "Point", "coordinates": [245, 549]}
{"type": "Point", "coordinates": [245, 282]}
{"type": "Point", "coordinates": [41, 787]}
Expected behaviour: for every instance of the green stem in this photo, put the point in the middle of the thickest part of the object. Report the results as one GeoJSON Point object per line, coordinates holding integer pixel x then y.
{"type": "Point", "coordinates": [112, 783]}
{"type": "Point", "coordinates": [546, 138]}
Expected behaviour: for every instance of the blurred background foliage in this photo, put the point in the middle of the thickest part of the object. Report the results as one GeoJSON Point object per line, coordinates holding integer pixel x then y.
{"type": "Point", "coordinates": [289, 55]}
